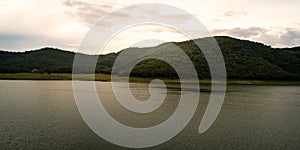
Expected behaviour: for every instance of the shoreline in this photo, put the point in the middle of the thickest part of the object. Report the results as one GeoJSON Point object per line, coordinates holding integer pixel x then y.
{"type": "Point", "coordinates": [107, 78]}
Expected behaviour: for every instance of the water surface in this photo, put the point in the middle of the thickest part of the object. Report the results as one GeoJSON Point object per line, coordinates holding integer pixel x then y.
{"type": "Point", "coordinates": [43, 115]}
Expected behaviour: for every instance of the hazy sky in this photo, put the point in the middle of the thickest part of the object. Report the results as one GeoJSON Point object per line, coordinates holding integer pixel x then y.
{"type": "Point", "coordinates": [32, 24]}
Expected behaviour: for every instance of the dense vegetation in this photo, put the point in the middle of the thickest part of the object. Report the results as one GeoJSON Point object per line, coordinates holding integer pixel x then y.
{"type": "Point", "coordinates": [243, 60]}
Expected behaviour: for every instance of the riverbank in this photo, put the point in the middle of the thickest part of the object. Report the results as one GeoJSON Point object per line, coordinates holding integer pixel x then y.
{"type": "Point", "coordinates": [107, 78]}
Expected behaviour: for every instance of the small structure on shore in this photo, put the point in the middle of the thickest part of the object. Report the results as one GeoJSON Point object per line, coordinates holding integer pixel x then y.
{"type": "Point", "coordinates": [34, 70]}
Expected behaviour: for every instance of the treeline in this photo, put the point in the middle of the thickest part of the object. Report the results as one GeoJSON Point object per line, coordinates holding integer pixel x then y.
{"type": "Point", "coordinates": [243, 60]}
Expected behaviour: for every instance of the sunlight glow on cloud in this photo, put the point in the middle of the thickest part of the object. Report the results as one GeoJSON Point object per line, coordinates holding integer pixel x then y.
{"type": "Point", "coordinates": [141, 36]}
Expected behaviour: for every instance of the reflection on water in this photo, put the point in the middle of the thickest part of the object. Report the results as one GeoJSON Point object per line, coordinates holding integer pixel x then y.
{"type": "Point", "coordinates": [43, 115]}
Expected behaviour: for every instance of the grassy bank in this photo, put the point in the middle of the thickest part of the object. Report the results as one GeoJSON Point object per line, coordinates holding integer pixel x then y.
{"type": "Point", "coordinates": [106, 78]}
{"type": "Point", "coordinates": [35, 76]}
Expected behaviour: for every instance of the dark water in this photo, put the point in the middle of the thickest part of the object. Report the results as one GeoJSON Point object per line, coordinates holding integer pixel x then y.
{"type": "Point", "coordinates": [43, 115]}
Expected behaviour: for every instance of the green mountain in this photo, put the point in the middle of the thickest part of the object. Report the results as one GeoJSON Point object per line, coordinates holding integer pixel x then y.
{"type": "Point", "coordinates": [243, 60]}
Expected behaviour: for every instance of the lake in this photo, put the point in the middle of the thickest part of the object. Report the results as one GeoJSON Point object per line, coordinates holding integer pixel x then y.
{"type": "Point", "coordinates": [43, 115]}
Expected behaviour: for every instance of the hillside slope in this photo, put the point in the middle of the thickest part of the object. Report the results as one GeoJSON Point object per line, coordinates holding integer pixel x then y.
{"type": "Point", "coordinates": [243, 60]}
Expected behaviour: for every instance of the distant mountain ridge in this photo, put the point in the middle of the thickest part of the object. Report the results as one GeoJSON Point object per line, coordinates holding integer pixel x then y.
{"type": "Point", "coordinates": [243, 59]}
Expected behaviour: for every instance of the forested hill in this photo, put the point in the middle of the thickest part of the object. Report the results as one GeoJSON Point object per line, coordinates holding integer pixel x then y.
{"type": "Point", "coordinates": [243, 60]}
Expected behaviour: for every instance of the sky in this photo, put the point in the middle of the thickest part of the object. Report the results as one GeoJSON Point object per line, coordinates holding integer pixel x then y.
{"type": "Point", "coordinates": [33, 24]}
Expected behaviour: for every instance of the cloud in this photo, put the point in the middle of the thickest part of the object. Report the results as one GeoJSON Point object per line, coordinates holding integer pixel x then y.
{"type": "Point", "coordinates": [277, 37]}
{"type": "Point", "coordinates": [288, 37]}
{"type": "Point", "coordinates": [291, 36]}
{"type": "Point", "coordinates": [141, 14]}
{"type": "Point", "coordinates": [88, 12]}
{"type": "Point", "coordinates": [234, 13]}
{"type": "Point", "coordinates": [241, 32]}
